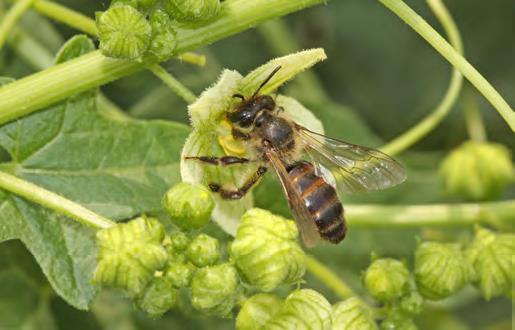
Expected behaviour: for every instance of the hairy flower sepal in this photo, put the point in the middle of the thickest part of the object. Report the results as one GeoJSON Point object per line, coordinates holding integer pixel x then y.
{"type": "Point", "coordinates": [491, 256]}
{"type": "Point", "coordinates": [211, 135]}
{"type": "Point", "coordinates": [266, 251]}
{"type": "Point", "coordinates": [129, 254]}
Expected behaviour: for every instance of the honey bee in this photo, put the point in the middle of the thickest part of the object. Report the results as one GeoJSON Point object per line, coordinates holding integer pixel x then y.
{"type": "Point", "coordinates": [312, 168]}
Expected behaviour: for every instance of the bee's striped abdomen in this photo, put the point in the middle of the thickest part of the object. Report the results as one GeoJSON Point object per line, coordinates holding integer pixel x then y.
{"type": "Point", "coordinates": [320, 199]}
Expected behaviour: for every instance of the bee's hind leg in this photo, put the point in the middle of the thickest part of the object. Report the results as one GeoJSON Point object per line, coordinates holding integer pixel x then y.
{"type": "Point", "coordinates": [243, 190]}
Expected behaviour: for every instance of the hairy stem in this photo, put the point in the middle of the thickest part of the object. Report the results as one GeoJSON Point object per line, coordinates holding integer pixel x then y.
{"type": "Point", "coordinates": [421, 129]}
{"type": "Point", "coordinates": [475, 125]}
{"type": "Point", "coordinates": [12, 16]}
{"type": "Point", "coordinates": [53, 201]}
{"type": "Point", "coordinates": [174, 84]}
{"type": "Point", "coordinates": [432, 215]}
{"type": "Point", "coordinates": [450, 54]}
{"type": "Point", "coordinates": [39, 90]}
{"type": "Point", "coordinates": [66, 16]}
{"type": "Point", "coordinates": [330, 279]}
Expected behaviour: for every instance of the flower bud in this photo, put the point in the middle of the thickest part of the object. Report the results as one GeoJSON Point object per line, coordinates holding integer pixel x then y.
{"type": "Point", "coordinates": [193, 10]}
{"type": "Point", "coordinates": [477, 170]}
{"type": "Point", "coordinates": [397, 321]}
{"type": "Point", "coordinates": [179, 241]}
{"type": "Point", "coordinates": [129, 254]}
{"type": "Point", "coordinates": [352, 314]}
{"type": "Point", "coordinates": [266, 252]}
{"type": "Point", "coordinates": [158, 297]}
{"type": "Point", "coordinates": [179, 274]}
{"type": "Point", "coordinates": [491, 256]}
{"type": "Point", "coordinates": [141, 5]}
{"type": "Point", "coordinates": [163, 42]}
{"type": "Point", "coordinates": [214, 289]}
{"type": "Point", "coordinates": [441, 269]}
{"type": "Point", "coordinates": [123, 32]}
{"type": "Point", "coordinates": [257, 310]}
{"type": "Point", "coordinates": [203, 251]}
{"type": "Point", "coordinates": [303, 309]}
{"type": "Point", "coordinates": [189, 205]}
{"type": "Point", "coordinates": [412, 303]}
{"type": "Point", "coordinates": [386, 279]}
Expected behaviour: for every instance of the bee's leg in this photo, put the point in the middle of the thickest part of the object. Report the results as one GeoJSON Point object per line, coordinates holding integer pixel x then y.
{"type": "Point", "coordinates": [240, 192]}
{"type": "Point", "coordinates": [239, 135]}
{"type": "Point", "coordinates": [225, 160]}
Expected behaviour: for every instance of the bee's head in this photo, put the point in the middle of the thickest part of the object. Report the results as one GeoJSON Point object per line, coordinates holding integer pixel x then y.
{"type": "Point", "coordinates": [248, 110]}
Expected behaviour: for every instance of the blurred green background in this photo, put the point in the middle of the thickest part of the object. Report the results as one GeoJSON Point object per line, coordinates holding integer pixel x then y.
{"type": "Point", "coordinates": [380, 79]}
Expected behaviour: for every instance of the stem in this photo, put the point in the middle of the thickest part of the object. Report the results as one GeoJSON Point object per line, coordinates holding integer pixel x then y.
{"type": "Point", "coordinates": [66, 16]}
{"type": "Point", "coordinates": [173, 83]}
{"type": "Point", "coordinates": [425, 126]}
{"type": "Point", "coordinates": [53, 201]}
{"type": "Point", "coordinates": [450, 54]}
{"type": "Point", "coordinates": [12, 16]}
{"type": "Point", "coordinates": [475, 125]}
{"type": "Point", "coordinates": [433, 215]}
{"type": "Point", "coordinates": [41, 89]}
{"type": "Point", "coordinates": [193, 58]}
{"type": "Point", "coordinates": [329, 278]}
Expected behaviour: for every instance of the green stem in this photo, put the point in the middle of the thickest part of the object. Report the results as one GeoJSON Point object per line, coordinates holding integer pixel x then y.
{"type": "Point", "coordinates": [41, 89]}
{"type": "Point", "coordinates": [66, 16]}
{"type": "Point", "coordinates": [193, 58]}
{"type": "Point", "coordinates": [433, 215]}
{"type": "Point", "coordinates": [330, 279]}
{"type": "Point", "coordinates": [53, 201]}
{"type": "Point", "coordinates": [475, 125]}
{"type": "Point", "coordinates": [174, 84]}
{"type": "Point", "coordinates": [417, 132]}
{"type": "Point", "coordinates": [450, 54]}
{"type": "Point", "coordinates": [12, 16]}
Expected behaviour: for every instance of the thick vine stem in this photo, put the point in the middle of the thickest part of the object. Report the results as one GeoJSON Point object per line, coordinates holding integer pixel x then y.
{"type": "Point", "coordinates": [41, 89]}
{"type": "Point", "coordinates": [431, 215]}
{"type": "Point", "coordinates": [53, 201]}
{"type": "Point", "coordinates": [9, 20]}
{"type": "Point", "coordinates": [422, 128]}
{"type": "Point", "coordinates": [416, 22]}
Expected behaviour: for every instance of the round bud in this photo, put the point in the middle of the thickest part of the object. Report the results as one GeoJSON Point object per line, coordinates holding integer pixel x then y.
{"type": "Point", "coordinates": [491, 256]}
{"type": "Point", "coordinates": [123, 32]}
{"type": "Point", "coordinates": [352, 314]}
{"type": "Point", "coordinates": [214, 289]}
{"type": "Point", "coordinates": [141, 5]}
{"type": "Point", "coordinates": [163, 42]}
{"type": "Point", "coordinates": [441, 269]}
{"type": "Point", "coordinates": [179, 274]}
{"type": "Point", "coordinates": [398, 321]}
{"type": "Point", "coordinates": [412, 303]}
{"type": "Point", "coordinates": [158, 297]}
{"type": "Point", "coordinates": [193, 10]}
{"type": "Point", "coordinates": [257, 310]}
{"type": "Point", "coordinates": [129, 254]}
{"type": "Point", "coordinates": [189, 205]}
{"type": "Point", "coordinates": [303, 309]}
{"type": "Point", "coordinates": [203, 251]}
{"type": "Point", "coordinates": [266, 252]}
{"type": "Point", "coordinates": [386, 279]}
{"type": "Point", "coordinates": [477, 170]}
{"type": "Point", "coordinates": [179, 241]}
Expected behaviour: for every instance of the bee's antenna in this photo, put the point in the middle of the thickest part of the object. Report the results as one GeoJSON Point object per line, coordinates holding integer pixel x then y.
{"type": "Point", "coordinates": [267, 80]}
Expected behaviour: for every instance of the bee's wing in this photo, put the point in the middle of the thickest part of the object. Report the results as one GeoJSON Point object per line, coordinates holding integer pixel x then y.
{"type": "Point", "coordinates": [306, 224]}
{"type": "Point", "coordinates": [355, 169]}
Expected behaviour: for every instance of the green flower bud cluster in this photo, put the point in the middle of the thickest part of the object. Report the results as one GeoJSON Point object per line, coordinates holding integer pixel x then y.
{"type": "Point", "coordinates": [441, 269]}
{"type": "Point", "coordinates": [266, 252]}
{"type": "Point", "coordinates": [477, 170]}
{"type": "Point", "coordinates": [133, 29]}
{"type": "Point", "coordinates": [491, 257]}
{"type": "Point", "coordinates": [352, 314]}
{"type": "Point", "coordinates": [189, 205]}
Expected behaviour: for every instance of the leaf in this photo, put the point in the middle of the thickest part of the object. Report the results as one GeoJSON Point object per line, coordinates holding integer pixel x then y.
{"type": "Point", "coordinates": [116, 168]}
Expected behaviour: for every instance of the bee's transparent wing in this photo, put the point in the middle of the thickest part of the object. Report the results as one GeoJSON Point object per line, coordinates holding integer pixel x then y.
{"type": "Point", "coordinates": [355, 169]}
{"type": "Point", "coordinates": [305, 223]}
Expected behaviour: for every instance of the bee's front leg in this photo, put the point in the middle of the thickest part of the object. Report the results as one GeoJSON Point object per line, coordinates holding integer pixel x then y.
{"type": "Point", "coordinates": [240, 192]}
{"type": "Point", "coordinates": [225, 160]}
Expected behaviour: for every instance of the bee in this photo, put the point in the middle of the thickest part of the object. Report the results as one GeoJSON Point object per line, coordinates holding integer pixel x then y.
{"type": "Point", "coordinates": [312, 168]}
